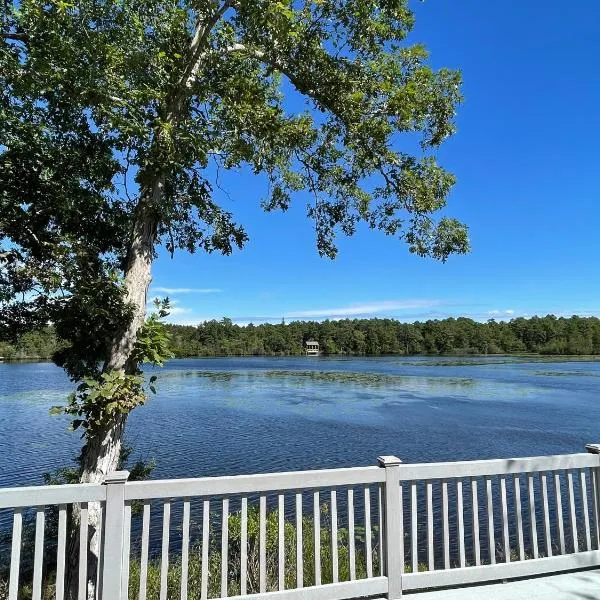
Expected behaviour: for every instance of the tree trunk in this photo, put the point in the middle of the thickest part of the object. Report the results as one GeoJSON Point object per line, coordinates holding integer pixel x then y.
{"type": "Point", "coordinates": [101, 452]}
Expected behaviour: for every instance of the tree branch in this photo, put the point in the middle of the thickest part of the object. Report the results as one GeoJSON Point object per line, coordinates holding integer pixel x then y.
{"type": "Point", "coordinates": [16, 37]}
{"type": "Point", "coordinates": [200, 36]}
{"type": "Point", "coordinates": [281, 68]}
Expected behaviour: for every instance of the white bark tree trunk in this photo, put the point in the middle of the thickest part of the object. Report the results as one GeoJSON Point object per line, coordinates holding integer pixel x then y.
{"type": "Point", "coordinates": [102, 449]}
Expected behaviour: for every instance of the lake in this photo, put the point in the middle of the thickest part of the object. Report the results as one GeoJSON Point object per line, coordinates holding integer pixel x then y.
{"type": "Point", "coordinates": [246, 415]}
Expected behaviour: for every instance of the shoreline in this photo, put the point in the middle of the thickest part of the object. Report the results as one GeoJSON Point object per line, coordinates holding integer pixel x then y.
{"type": "Point", "coordinates": [524, 355]}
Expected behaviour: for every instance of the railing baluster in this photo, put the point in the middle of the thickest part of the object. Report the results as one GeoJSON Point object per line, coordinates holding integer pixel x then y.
{"type": "Point", "coordinates": [519, 511]}
{"type": "Point", "coordinates": [244, 548]}
{"type": "Point", "coordinates": [532, 517]}
{"type": "Point", "coordinates": [164, 558]}
{"type": "Point", "coordinates": [15, 554]}
{"type": "Point", "coordinates": [144, 551]}
{"type": "Point", "coordinates": [317, 536]}
{"type": "Point", "coordinates": [595, 493]}
{"type": "Point", "coordinates": [281, 557]}
{"type": "Point", "coordinates": [505, 534]}
{"type": "Point", "coordinates": [205, 546]}
{"type": "Point", "coordinates": [430, 554]}
{"type": "Point", "coordinates": [460, 522]}
{"type": "Point", "coordinates": [368, 548]}
{"type": "Point", "coordinates": [185, 548]}
{"type": "Point", "coordinates": [61, 552]}
{"type": "Point", "coordinates": [224, 547]}
{"type": "Point", "coordinates": [559, 512]}
{"type": "Point", "coordinates": [490, 516]}
{"type": "Point", "coordinates": [38, 558]}
{"type": "Point", "coordinates": [83, 552]}
{"type": "Point", "coordinates": [299, 544]}
{"type": "Point", "coordinates": [263, 543]}
{"type": "Point", "coordinates": [595, 470]}
{"type": "Point", "coordinates": [126, 549]}
{"type": "Point", "coordinates": [445, 525]}
{"type": "Point", "coordinates": [414, 545]}
{"type": "Point", "coordinates": [401, 519]}
{"type": "Point", "coordinates": [380, 519]}
{"type": "Point", "coordinates": [586, 514]}
{"type": "Point", "coordinates": [546, 513]}
{"type": "Point", "coordinates": [475, 508]}
{"type": "Point", "coordinates": [100, 566]}
{"type": "Point", "coordinates": [573, 517]}
{"type": "Point", "coordinates": [351, 538]}
{"type": "Point", "coordinates": [334, 538]}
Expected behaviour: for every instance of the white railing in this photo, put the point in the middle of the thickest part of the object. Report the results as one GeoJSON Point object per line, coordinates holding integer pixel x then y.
{"type": "Point", "coordinates": [310, 535]}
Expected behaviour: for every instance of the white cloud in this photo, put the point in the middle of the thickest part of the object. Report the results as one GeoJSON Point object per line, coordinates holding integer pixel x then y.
{"type": "Point", "coordinates": [168, 290]}
{"type": "Point", "coordinates": [179, 310]}
{"type": "Point", "coordinates": [502, 314]}
{"type": "Point", "coordinates": [370, 308]}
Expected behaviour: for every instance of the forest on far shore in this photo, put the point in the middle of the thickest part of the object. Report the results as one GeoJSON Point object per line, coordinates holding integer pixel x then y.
{"type": "Point", "coordinates": [544, 335]}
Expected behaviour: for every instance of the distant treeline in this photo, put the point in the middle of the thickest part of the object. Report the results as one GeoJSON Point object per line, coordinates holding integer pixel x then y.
{"type": "Point", "coordinates": [543, 335]}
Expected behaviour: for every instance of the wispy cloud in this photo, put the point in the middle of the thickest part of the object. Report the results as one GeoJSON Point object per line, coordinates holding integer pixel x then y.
{"type": "Point", "coordinates": [502, 314]}
{"type": "Point", "coordinates": [169, 290]}
{"type": "Point", "coordinates": [370, 308]}
{"type": "Point", "coordinates": [175, 311]}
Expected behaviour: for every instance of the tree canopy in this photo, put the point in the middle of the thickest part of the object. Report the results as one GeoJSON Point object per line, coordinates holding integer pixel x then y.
{"type": "Point", "coordinates": [116, 117]}
{"type": "Point", "coordinates": [100, 98]}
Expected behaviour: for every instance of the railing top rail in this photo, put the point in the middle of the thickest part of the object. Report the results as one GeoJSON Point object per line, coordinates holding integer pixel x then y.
{"type": "Point", "coordinates": [249, 484]}
{"type": "Point", "coordinates": [478, 468]}
{"type": "Point", "coordinates": [290, 481]}
{"type": "Point", "coordinates": [45, 495]}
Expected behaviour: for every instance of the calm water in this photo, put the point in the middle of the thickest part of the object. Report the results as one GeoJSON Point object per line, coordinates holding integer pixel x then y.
{"type": "Point", "coordinates": [245, 415]}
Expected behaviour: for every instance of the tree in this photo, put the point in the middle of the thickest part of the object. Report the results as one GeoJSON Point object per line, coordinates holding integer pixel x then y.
{"type": "Point", "coordinates": [115, 117]}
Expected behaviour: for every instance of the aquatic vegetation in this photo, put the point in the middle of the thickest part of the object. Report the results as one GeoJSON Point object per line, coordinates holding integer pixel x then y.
{"type": "Point", "coordinates": [566, 374]}
{"type": "Point", "coordinates": [363, 378]}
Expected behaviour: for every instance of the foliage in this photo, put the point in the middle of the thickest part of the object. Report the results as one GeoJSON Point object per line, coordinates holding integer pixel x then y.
{"type": "Point", "coordinates": [272, 540]}
{"type": "Point", "coordinates": [234, 557]}
{"type": "Point", "coordinates": [152, 343]}
{"type": "Point", "coordinates": [39, 344]}
{"type": "Point", "coordinates": [97, 400]}
{"type": "Point", "coordinates": [544, 335]}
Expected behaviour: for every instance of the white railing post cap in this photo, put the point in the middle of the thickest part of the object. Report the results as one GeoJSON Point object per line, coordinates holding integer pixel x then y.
{"type": "Point", "coordinates": [593, 448]}
{"type": "Point", "coordinates": [116, 477]}
{"type": "Point", "coordinates": [388, 461]}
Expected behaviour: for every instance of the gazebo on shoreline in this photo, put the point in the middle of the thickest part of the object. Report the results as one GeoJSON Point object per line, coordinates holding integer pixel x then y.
{"type": "Point", "coordinates": [311, 348]}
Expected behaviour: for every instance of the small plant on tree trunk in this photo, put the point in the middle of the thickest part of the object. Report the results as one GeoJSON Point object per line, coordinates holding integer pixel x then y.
{"type": "Point", "coordinates": [117, 117]}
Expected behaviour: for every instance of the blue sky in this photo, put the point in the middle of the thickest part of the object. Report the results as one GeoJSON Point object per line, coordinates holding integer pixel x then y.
{"type": "Point", "coordinates": [528, 172]}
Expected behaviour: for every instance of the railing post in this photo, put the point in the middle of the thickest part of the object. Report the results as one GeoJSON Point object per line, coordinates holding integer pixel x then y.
{"type": "Point", "coordinates": [112, 559]}
{"type": "Point", "coordinates": [392, 526]}
{"type": "Point", "coordinates": [595, 449]}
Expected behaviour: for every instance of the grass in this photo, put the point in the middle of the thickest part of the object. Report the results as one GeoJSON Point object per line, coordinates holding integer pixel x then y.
{"type": "Point", "coordinates": [253, 554]}
{"type": "Point", "coordinates": [194, 585]}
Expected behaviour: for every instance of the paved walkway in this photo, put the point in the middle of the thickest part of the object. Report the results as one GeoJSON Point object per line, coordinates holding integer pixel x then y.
{"type": "Point", "coordinates": [582, 585]}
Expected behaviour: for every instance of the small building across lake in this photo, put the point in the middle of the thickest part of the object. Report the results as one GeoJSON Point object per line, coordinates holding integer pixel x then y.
{"type": "Point", "coordinates": [311, 347]}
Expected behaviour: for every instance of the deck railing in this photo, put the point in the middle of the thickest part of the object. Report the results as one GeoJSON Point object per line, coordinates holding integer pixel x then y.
{"type": "Point", "coordinates": [311, 535]}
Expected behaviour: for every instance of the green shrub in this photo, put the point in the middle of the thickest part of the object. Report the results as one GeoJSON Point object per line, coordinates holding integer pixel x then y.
{"type": "Point", "coordinates": [253, 559]}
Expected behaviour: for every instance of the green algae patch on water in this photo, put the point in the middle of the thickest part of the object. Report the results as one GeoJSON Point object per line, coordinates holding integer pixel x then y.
{"type": "Point", "coordinates": [565, 374]}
